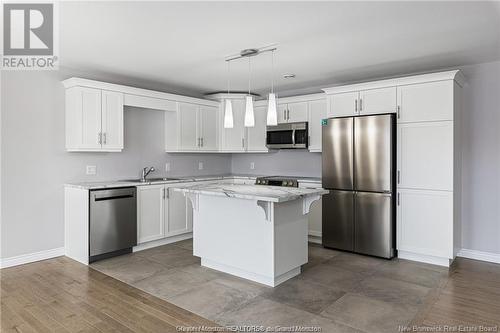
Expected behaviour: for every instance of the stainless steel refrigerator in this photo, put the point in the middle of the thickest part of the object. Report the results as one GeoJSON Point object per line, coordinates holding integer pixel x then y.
{"type": "Point", "coordinates": [358, 169]}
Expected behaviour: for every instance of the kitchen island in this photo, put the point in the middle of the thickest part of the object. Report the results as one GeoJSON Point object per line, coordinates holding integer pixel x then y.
{"type": "Point", "coordinates": [252, 231]}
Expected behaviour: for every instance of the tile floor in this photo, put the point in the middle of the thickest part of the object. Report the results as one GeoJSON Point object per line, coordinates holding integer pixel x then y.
{"type": "Point", "coordinates": [338, 291]}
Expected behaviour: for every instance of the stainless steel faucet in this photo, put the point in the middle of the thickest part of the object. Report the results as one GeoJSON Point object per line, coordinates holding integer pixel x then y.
{"type": "Point", "coordinates": [145, 172]}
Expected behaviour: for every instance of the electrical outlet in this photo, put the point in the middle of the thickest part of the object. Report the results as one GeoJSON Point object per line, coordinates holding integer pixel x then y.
{"type": "Point", "coordinates": [200, 165]}
{"type": "Point", "coordinates": [167, 167]}
{"type": "Point", "coordinates": [252, 165]}
{"type": "Point", "coordinates": [91, 170]}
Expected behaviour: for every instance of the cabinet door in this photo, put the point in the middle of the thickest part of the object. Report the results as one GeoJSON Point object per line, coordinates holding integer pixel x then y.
{"type": "Point", "coordinates": [282, 113]}
{"type": "Point", "coordinates": [431, 101]}
{"type": "Point", "coordinates": [297, 112]}
{"type": "Point", "coordinates": [112, 120]}
{"type": "Point", "coordinates": [383, 100]}
{"type": "Point", "coordinates": [256, 136]}
{"type": "Point", "coordinates": [425, 155]}
{"type": "Point", "coordinates": [188, 118]}
{"type": "Point", "coordinates": [208, 119]}
{"type": "Point", "coordinates": [317, 112]}
{"type": "Point", "coordinates": [150, 213]}
{"type": "Point", "coordinates": [233, 138]}
{"type": "Point", "coordinates": [179, 213]}
{"type": "Point", "coordinates": [343, 104]}
{"type": "Point", "coordinates": [90, 118]}
{"type": "Point", "coordinates": [425, 222]}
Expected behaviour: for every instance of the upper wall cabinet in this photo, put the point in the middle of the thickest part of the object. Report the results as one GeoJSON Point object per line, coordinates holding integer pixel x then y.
{"type": "Point", "coordinates": [431, 101]}
{"type": "Point", "coordinates": [94, 120]}
{"type": "Point", "coordinates": [292, 112]}
{"type": "Point", "coordinates": [370, 101]}
{"type": "Point", "coordinates": [192, 127]}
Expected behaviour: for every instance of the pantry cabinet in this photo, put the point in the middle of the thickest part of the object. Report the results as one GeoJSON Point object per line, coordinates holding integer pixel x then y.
{"type": "Point", "coordinates": [428, 182]}
{"type": "Point", "coordinates": [94, 120]}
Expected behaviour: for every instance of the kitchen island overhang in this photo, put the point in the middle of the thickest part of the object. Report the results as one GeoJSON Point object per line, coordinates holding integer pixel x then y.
{"type": "Point", "coordinates": [251, 231]}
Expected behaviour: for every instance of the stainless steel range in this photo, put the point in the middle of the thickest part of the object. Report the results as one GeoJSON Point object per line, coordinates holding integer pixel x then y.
{"type": "Point", "coordinates": [277, 181]}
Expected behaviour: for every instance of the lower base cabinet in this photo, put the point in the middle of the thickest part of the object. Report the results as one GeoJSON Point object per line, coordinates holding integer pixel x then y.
{"type": "Point", "coordinates": [162, 212]}
{"type": "Point", "coordinates": [425, 223]}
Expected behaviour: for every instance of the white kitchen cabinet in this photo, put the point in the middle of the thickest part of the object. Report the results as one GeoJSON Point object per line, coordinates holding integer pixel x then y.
{"type": "Point", "coordinates": [292, 112]}
{"type": "Point", "coordinates": [343, 104]}
{"type": "Point", "coordinates": [188, 129]}
{"type": "Point", "coordinates": [317, 112]}
{"type": "Point", "coordinates": [374, 101]}
{"type": "Point", "coordinates": [180, 214]}
{"type": "Point", "coordinates": [94, 120]}
{"type": "Point", "coordinates": [208, 134]}
{"type": "Point", "coordinates": [233, 139]}
{"type": "Point", "coordinates": [112, 120]}
{"type": "Point", "coordinates": [256, 136]}
{"type": "Point", "coordinates": [425, 155]}
{"type": "Point", "coordinates": [425, 222]}
{"type": "Point", "coordinates": [430, 101]}
{"type": "Point", "coordinates": [152, 208]}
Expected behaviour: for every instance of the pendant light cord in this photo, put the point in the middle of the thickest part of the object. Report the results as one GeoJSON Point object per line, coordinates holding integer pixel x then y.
{"type": "Point", "coordinates": [272, 72]}
{"type": "Point", "coordinates": [228, 75]}
{"type": "Point", "coordinates": [249, 76]}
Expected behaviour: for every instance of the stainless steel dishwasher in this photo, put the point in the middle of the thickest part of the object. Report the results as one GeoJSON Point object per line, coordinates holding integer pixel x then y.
{"type": "Point", "coordinates": [113, 222]}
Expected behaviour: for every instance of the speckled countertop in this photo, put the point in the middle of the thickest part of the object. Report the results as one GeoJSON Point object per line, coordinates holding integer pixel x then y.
{"type": "Point", "coordinates": [125, 183]}
{"type": "Point", "coordinates": [252, 192]}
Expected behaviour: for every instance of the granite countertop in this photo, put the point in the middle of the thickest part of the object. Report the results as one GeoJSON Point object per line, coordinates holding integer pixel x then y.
{"type": "Point", "coordinates": [124, 183]}
{"type": "Point", "coordinates": [251, 192]}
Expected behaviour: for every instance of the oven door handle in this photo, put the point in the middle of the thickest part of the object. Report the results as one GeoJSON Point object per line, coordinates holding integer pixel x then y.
{"type": "Point", "coordinates": [293, 137]}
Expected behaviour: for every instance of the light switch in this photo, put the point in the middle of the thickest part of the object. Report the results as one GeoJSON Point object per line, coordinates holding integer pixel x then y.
{"type": "Point", "coordinates": [252, 165]}
{"type": "Point", "coordinates": [91, 170]}
{"type": "Point", "coordinates": [167, 167]}
{"type": "Point", "coordinates": [200, 165]}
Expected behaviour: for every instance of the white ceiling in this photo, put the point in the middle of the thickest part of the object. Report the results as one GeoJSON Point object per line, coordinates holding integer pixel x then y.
{"type": "Point", "coordinates": [183, 45]}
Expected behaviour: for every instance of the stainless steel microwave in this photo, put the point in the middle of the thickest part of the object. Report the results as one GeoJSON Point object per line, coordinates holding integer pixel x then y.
{"type": "Point", "coordinates": [292, 135]}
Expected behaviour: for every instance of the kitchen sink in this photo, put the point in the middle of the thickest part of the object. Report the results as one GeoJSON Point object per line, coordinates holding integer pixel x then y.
{"type": "Point", "coordinates": [148, 180]}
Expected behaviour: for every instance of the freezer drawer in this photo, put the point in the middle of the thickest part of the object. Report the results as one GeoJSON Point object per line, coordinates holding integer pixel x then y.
{"type": "Point", "coordinates": [373, 225]}
{"type": "Point", "coordinates": [337, 156]}
{"type": "Point", "coordinates": [338, 220]}
{"type": "Point", "coordinates": [373, 153]}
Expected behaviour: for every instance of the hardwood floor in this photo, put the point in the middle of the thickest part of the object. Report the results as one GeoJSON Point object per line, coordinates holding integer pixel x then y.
{"type": "Point", "coordinates": [61, 295]}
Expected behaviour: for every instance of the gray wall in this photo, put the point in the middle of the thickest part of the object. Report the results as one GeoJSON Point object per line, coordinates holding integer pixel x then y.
{"type": "Point", "coordinates": [481, 158]}
{"type": "Point", "coordinates": [35, 165]}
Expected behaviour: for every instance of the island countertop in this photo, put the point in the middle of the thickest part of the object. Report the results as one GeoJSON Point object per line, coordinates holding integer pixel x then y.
{"type": "Point", "coordinates": [251, 192]}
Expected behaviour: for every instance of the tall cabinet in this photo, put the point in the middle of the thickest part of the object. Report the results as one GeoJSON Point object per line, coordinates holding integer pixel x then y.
{"type": "Point", "coordinates": [428, 168]}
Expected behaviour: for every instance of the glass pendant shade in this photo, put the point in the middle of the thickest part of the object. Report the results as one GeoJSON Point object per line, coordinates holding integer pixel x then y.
{"type": "Point", "coordinates": [272, 115]}
{"type": "Point", "coordinates": [249, 116]}
{"type": "Point", "coordinates": [228, 114]}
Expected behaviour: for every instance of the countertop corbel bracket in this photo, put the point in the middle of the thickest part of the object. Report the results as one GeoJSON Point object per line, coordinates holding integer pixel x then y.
{"type": "Point", "coordinates": [194, 199]}
{"type": "Point", "coordinates": [268, 208]}
{"type": "Point", "coordinates": [307, 202]}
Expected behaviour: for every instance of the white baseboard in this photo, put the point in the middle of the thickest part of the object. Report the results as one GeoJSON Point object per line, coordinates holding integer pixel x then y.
{"type": "Point", "coordinates": [32, 257]}
{"type": "Point", "coordinates": [424, 258]}
{"type": "Point", "coordinates": [315, 233]}
{"type": "Point", "coordinates": [161, 242]}
{"type": "Point", "coordinates": [314, 239]}
{"type": "Point", "coordinates": [479, 255]}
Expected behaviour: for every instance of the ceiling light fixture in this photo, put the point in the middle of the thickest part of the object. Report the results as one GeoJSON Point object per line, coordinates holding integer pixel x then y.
{"type": "Point", "coordinates": [272, 115]}
{"type": "Point", "coordinates": [289, 76]}
{"type": "Point", "coordinates": [228, 112]}
{"type": "Point", "coordinates": [249, 116]}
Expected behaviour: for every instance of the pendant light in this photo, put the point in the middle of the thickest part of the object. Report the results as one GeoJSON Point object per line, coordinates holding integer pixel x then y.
{"type": "Point", "coordinates": [272, 115]}
{"type": "Point", "coordinates": [249, 116]}
{"type": "Point", "coordinates": [228, 112]}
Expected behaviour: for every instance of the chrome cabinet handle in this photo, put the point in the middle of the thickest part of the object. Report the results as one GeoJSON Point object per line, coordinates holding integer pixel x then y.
{"type": "Point", "coordinates": [398, 198]}
{"type": "Point", "coordinates": [105, 138]}
{"type": "Point", "coordinates": [360, 104]}
{"type": "Point", "coordinates": [243, 142]}
{"type": "Point", "coordinates": [399, 111]}
{"type": "Point", "coordinates": [202, 142]}
{"type": "Point", "coordinates": [163, 191]}
{"type": "Point", "coordinates": [356, 106]}
{"type": "Point", "coordinates": [99, 138]}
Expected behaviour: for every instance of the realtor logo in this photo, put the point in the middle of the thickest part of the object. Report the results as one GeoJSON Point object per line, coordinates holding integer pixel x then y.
{"type": "Point", "coordinates": [29, 36]}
